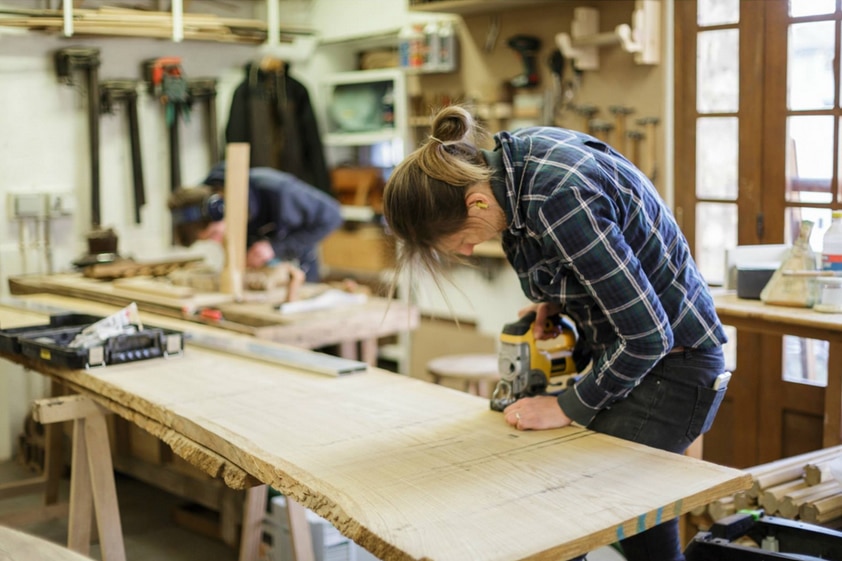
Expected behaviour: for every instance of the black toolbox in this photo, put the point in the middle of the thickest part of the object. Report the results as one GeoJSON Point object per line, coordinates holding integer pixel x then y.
{"type": "Point", "coordinates": [51, 343]}
{"type": "Point", "coordinates": [9, 338]}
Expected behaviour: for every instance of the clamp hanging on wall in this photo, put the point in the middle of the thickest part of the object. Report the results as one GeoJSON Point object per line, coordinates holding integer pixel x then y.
{"type": "Point", "coordinates": [204, 89]}
{"type": "Point", "coordinates": [113, 92]}
{"type": "Point", "coordinates": [166, 81]}
{"type": "Point", "coordinates": [642, 39]}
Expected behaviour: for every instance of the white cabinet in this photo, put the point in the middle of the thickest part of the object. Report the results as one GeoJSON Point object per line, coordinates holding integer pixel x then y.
{"type": "Point", "coordinates": [366, 108]}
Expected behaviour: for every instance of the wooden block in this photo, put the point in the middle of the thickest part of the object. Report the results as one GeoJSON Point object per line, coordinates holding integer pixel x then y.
{"type": "Point", "coordinates": [65, 408]}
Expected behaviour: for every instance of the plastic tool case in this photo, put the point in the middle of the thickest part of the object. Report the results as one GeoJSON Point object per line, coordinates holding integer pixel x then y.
{"type": "Point", "coordinates": [50, 343]}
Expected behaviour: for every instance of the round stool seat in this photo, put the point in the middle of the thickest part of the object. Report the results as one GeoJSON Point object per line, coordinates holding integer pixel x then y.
{"type": "Point", "coordinates": [472, 370]}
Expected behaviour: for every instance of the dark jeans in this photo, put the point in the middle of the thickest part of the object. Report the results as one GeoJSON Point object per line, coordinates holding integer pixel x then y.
{"type": "Point", "coordinates": [672, 406]}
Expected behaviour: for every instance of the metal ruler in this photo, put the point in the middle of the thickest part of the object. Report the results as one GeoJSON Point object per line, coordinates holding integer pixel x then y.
{"type": "Point", "coordinates": [312, 361]}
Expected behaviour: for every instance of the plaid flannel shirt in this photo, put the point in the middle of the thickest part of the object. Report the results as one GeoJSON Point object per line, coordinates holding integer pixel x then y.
{"type": "Point", "coordinates": [588, 230]}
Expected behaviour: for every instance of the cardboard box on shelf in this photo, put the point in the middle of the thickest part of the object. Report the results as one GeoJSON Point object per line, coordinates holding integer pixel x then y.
{"type": "Point", "coordinates": [363, 248]}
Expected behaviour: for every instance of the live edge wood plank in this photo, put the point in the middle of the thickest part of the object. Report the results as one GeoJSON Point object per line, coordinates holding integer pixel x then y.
{"type": "Point", "coordinates": [408, 469]}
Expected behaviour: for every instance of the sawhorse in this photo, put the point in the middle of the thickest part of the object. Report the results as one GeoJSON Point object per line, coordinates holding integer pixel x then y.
{"type": "Point", "coordinates": [93, 490]}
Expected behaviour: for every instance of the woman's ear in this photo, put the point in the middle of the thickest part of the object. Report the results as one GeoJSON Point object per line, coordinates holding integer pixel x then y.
{"type": "Point", "coordinates": [477, 200]}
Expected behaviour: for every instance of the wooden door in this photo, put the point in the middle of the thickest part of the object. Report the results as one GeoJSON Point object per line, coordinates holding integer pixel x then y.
{"type": "Point", "coordinates": [748, 172]}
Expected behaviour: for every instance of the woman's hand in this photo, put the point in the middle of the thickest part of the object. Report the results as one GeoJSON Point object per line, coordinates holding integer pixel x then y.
{"type": "Point", "coordinates": [542, 311]}
{"type": "Point", "coordinates": [259, 254]}
{"type": "Point", "coordinates": [536, 413]}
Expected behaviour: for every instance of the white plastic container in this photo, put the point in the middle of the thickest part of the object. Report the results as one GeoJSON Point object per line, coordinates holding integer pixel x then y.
{"type": "Point", "coordinates": [828, 295]}
{"type": "Point", "coordinates": [431, 46]}
{"type": "Point", "coordinates": [447, 47]}
{"type": "Point", "coordinates": [832, 245]}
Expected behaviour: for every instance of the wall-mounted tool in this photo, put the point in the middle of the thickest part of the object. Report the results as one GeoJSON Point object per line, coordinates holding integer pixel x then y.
{"type": "Point", "coordinates": [166, 81]}
{"type": "Point", "coordinates": [102, 244]}
{"type": "Point", "coordinates": [650, 160]}
{"type": "Point", "coordinates": [601, 129]}
{"type": "Point", "coordinates": [621, 113]}
{"type": "Point", "coordinates": [527, 47]}
{"type": "Point", "coordinates": [642, 37]}
{"type": "Point", "coordinates": [587, 113]}
{"type": "Point", "coordinates": [85, 59]}
{"type": "Point", "coordinates": [635, 138]}
{"type": "Point", "coordinates": [114, 92]}
{"type": "Point", "coordinates": [204, 90]}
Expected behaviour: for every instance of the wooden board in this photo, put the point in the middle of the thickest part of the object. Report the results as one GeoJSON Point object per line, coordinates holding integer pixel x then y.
{"type": "Point", "coordinates": [78, 286]}
{"type": "Point", "coordinates": [139, 23]}
{"type": "Point", "coordinates": [408, 469]}
{"type": "Point", "coordinates": [131, 268]}
{"type": "Point", "coordinates": [377, 317]}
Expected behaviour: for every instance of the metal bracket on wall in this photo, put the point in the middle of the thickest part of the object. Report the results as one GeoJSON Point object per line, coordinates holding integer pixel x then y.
{"type": "Point", "coordinates": [642, 38]}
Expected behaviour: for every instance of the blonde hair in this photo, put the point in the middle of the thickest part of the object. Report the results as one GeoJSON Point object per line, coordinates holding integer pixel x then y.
{"type": "Point", "coordinates": [424, 199]}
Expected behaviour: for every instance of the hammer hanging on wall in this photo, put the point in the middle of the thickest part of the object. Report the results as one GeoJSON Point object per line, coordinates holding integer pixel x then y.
{"type": "Point", "coordinates": [86, 59]}
{"type": "Point", "coordinates": [125, 91]}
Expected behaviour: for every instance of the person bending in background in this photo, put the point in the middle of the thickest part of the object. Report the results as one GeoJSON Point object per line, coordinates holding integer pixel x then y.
{"type": "Point", "coordinates": [287, 218]}
{"type": "Point", "coordinates": [589, 237]}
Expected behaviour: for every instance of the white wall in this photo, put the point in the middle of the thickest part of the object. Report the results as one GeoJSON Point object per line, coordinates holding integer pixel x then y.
{"type": "Point", "coordinates": [44, 147]}
{"type": "Point", "coordinates": [44, 141]}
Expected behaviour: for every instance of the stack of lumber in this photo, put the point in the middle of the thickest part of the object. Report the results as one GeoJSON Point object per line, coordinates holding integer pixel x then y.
{"type": "Point", "coordinates": [797, 488]}
{"type": "Point", "coordinates": [138, 23]}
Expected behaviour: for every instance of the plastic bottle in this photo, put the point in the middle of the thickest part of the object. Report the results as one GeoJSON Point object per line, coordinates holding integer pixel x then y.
{"type": "Point", "coordinates": [417, 46]}
{"type": "Point", "coordinates": [447, 47]}
{"type": "Point", "coordinates": [405, 45]}
{"type": "Point", "coordinates": [387, 107]}
{"type": "Point", "coordinates": [832, 244]}
{"type": "Point", "coordinates": [431, 46]}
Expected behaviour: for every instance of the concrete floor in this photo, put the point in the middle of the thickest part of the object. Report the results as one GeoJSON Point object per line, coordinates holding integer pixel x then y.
{"type": "Point", "coordinates": [149, 532]}
{"type": "Point", "coordinates": [146, 514]}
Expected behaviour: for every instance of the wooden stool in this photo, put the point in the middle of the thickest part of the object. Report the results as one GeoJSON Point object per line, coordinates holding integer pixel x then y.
{"type": "Point", "coordinates": [472, 370]}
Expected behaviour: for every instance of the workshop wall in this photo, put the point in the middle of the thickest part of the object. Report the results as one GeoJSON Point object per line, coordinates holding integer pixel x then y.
{"type": "Point", "coordinates": [44, 142]}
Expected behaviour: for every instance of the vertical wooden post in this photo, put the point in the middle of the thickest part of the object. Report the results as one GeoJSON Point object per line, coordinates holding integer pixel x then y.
{"type": "Point", "coordinates": [236, 218]}
{"type": "Point", "coordinates": [254, 511]}
{"type": "Point", "coordinates": [299, 532]}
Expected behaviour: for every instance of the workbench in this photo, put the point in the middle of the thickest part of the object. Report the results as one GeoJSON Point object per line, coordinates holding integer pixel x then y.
{"type": "Point", "coordinates": [408, 469]}
{"type": "Point", "coordinates": [776, 416]}
{"type": "Point", "coordinates": [354, 328]}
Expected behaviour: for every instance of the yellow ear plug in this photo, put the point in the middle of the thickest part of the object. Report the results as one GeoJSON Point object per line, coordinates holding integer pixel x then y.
{"type": "Point", "coordinates": [480, 204]}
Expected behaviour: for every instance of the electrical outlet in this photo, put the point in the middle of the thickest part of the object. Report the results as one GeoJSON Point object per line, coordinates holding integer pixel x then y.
{"type": "Point", "coordinates": [61, 204]}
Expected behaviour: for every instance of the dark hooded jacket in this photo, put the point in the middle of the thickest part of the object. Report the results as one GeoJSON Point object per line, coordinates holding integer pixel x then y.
{"type": "Point", "coordinates": [272, 112]}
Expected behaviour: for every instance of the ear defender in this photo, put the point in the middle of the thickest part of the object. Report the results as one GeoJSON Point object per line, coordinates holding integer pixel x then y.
{"type": "Point", "coordinates": [480, 204]}
{"type": "Point", "coordinates": [211, 209]}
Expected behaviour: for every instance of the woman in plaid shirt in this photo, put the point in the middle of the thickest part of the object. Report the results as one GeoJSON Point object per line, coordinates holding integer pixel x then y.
{"type": "Point", "coordinates": [589, 237]}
